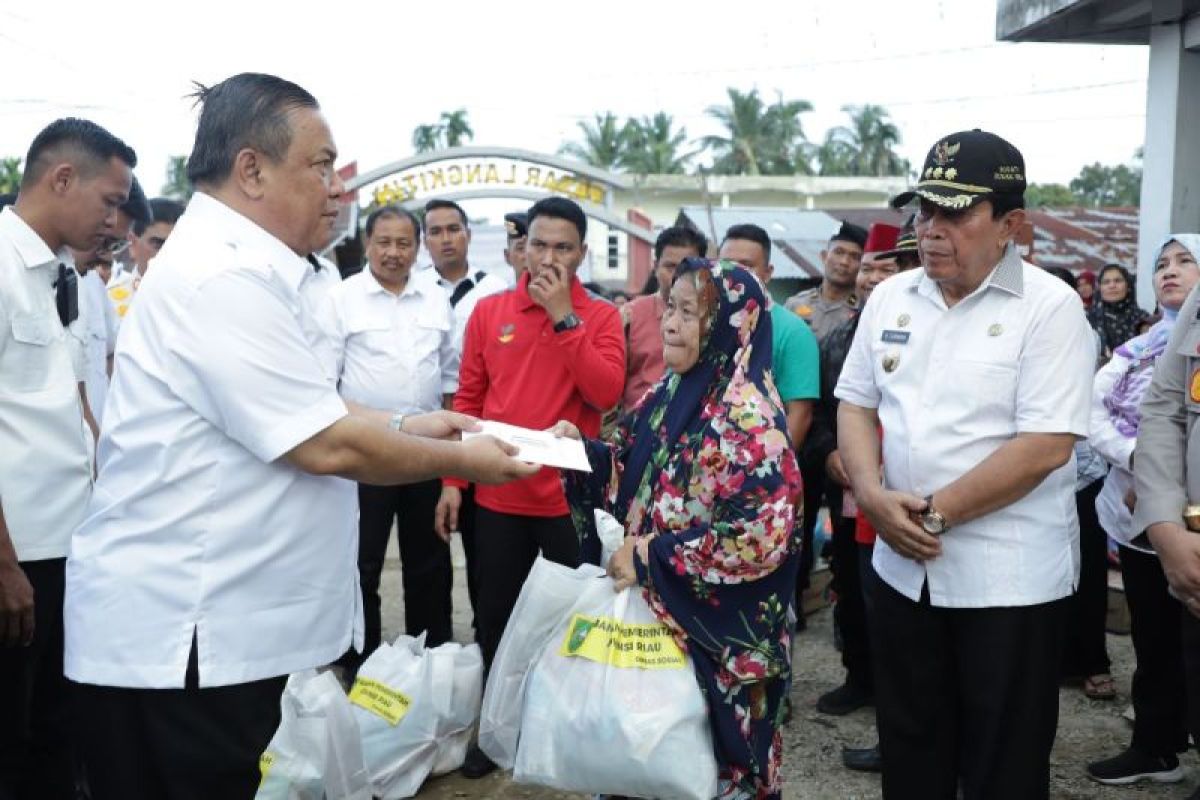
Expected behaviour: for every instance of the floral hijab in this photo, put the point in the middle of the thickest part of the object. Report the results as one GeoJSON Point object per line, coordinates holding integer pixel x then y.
{"type": "Point", "coordinates": [731, 377]}
{"type": "Point", "coordinates": [1124, 400]}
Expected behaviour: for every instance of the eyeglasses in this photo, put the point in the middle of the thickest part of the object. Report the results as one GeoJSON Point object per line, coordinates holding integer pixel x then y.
{"type": "Point", "coordinates": [112, 246]}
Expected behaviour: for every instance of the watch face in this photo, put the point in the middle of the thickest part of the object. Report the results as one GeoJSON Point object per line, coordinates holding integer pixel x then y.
{"type": "Point", "coordinates": [933, 523]}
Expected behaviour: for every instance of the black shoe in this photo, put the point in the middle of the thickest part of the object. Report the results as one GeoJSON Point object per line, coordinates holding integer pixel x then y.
{"type": "Point", "coordinates": [844, 699]}
{"type": "Point", "coordinates": [476, 764]}
{"type": "Point", "coordinates": [1132, 766]}
{"type": "Point", "coordinates": [862, 759]}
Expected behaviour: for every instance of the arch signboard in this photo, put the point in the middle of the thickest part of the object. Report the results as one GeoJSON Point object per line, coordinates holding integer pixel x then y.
{"type": "Point", "coordinates": [463, 173]}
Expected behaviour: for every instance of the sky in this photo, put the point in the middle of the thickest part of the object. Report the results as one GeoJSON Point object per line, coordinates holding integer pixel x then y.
{"type": "Point", "coordinates": [529, 72]}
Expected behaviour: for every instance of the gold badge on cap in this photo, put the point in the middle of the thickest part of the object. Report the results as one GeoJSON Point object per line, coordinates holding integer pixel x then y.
{"type": "Point", "coordinates": [995, 329]}
{"type": "Point", "coordinates": [903, 320]}
{"type": "Point", "coordinates": [891, 361]}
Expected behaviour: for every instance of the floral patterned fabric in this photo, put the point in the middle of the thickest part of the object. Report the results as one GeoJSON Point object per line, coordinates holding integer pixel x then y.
{"type": "Point", "coordinates": [705, 469]}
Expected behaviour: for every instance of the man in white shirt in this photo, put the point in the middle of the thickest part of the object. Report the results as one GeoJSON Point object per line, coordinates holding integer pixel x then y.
{"type": "Point", "coordinates": [978, 369]}
{"type": "Point", "coordinates": [76, 177]}
{"type": "Point", "coordinates": [218, 551]}
{"type": "Point", "coordinates": [392, 333]}
{"type": "Point", "coordinates": [145, 240]}
{"type": "Point", "coordinates": [447, 238]}
{"type": "Point", "coordinates": [97, 325]}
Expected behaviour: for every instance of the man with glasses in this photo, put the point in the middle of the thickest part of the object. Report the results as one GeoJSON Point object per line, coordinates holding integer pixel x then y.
{"type": "Point", "coordinates": [146, 239]}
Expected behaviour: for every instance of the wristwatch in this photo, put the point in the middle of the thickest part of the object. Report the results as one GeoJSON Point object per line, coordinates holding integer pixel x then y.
{"type": "Point", "coordinates": [932, 521]}
{"type": "Point", "coordinates": [568, 322]}
{"type": "Point", "coordinates": [396, 422]}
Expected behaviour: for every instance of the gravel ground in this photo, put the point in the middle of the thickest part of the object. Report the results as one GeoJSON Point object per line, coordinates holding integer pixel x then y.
{"type": "Point", "coordinates": [1087, 730]}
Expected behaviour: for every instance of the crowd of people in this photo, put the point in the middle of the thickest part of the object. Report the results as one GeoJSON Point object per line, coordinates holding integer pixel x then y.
{"type": "Point", "coordinates": [207, 437]}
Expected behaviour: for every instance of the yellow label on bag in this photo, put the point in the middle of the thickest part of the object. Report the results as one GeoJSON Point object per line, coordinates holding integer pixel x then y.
{"type": "Point", "coordinates": [265, 762]}
{"type": "Point", "coordinates": [629, 646]}
{"type": "Point", "coordinates": [380, 699]}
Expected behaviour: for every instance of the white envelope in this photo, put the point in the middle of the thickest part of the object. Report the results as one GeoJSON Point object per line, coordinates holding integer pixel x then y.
{"type": "Point", "coordinates": [537, 447]}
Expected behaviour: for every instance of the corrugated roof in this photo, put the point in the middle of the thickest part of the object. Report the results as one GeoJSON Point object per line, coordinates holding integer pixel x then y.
{"type": "Point", "coordinates": [1084, 238]}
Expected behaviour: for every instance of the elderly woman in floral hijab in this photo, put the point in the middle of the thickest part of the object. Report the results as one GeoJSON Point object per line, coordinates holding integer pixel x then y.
{"type": "Point", "coordinates": [707, 485]}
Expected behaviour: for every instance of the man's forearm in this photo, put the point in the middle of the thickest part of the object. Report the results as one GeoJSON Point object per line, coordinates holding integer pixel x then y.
{"type": "Point", "coordinates": [356, 447]}
{"type": "Point", "coordinates": [858, 443]}
{"type": "Point", "coordinates": [799, 420]}
{"type": "Point", "coordinates": [8, 553]}
{"type": "Point", "coordinates": [1013, 471]}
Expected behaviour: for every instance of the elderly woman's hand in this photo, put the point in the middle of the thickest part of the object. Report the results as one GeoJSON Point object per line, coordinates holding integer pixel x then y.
{"type": "Point", "coordinates": [566, 430]}
{"type": "Point", "coordinates": [620, 566]}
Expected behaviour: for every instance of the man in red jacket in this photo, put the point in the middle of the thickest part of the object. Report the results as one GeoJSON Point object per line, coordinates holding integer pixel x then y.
{"type": "Point", "coordinates": [544, 351]}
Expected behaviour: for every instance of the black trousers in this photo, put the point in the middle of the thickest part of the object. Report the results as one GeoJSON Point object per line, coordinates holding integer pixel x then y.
{"type": "Point", "coordinates": [1160, 724]}
{"type": "Point", "coordinates": [814, 494]}
{"type": "Point", "coordinates": [965, 696]}
{"type": "Point", "coordinates": [850, 613]}
{"type": "Point", "coordinates": [36, 755]}
{"type": "Point", "coordinates": [1190, 626]}
{"type": "Point", "coordinates": [506, 546]}
{"type": "Point", "coordinates": [425, 567]}
{"type": "Point", "coordinates": [177, 744]}
{"type": "Point", "coordinates": [1085, 651]}
{"type": "Point", "coordinates": [466, 530]}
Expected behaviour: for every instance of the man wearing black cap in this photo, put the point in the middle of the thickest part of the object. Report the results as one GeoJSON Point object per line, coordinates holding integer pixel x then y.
{"type": "Point", "coordinates": [516, 226]}
{"type": "Point", "coordinates": [977, 369]}
{"type": "Point", "coordinates": [832, 302]}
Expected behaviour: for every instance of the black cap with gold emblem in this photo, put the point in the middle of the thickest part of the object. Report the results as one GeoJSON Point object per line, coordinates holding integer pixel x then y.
{"type": "Point", "coordinates": [966, 167]}
{"type": "Point", "coordinates": [516, 224]}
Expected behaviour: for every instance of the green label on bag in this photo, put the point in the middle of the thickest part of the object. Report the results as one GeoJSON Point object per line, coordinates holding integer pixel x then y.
{"type": "Point", "coordinates": [265, 762]}
{"type": "Point", "coordinates": [380, 699]}
{"type": "Point", "coordinates": [620, 644]}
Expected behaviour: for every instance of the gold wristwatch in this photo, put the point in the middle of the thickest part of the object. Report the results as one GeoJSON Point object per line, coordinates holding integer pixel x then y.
{"type": "Point", "coordinates": [1191, 517]}
{"type": "Point", "coordinates": [932, 521]}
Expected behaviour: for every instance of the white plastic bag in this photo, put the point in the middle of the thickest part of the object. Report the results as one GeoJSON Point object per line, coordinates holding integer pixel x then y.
{"type": "Point", "coordinates": [546, 598]}
{"type": "Point", "coordinates": [315, 753]}
{"type": "Point", "coordinates": [612, 706]}
{"type": "Point", "coordinates": [415, 710]}
{"type": "Point", "coordinates": [611, 534]}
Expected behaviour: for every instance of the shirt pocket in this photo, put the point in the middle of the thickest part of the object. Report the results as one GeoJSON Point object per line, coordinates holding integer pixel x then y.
{"type": "Point", "coordinates": [377, 336]}
{"type": "Point", "coordinates": [27, 362]}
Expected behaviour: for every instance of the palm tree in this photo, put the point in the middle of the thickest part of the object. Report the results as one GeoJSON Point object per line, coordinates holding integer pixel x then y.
{"type": "Point", "coordinates": [604, 141]}
{"type": "Point", "coordinates": [426, 138]}
{"type": "Point", "coordinates": [455, 128]}
{"type": "Point", "coordinates": [866, 146]}
{"type": "Point", "coordinates": [10, 175]}
{"type": "Point", "coordinates": [177, 185]}
{"type": "Point", "coordinates": [761, 139]}
{"type": "Point", "coordinates": [652, 146]}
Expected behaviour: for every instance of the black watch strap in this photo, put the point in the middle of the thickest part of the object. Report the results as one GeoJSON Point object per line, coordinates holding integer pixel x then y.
{"type": "Point", "coordinates": [568, 322]}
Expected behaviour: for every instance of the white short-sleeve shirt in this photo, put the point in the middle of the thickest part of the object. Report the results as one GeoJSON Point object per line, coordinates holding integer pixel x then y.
{"type": "Point", "coordinates": [197, 525]}
{"type": "Point", "coordinates": [951, 386]}
{"type": "Point", "coordinates": [394, 352]}
{"type": "Point", "coordinates": [483, 286]}
{"type": "Point", "coordinates": [45, 446]}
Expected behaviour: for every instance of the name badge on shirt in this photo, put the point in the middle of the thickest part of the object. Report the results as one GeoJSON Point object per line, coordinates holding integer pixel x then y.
{"type": "Point", "coordinates": [896, 337]}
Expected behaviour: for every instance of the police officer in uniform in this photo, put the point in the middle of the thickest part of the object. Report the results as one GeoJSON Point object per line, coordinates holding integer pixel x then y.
{"type": "Point", "coordinates": [1166, 466]}
{"type": "Point", "coordinates": [832, 301]}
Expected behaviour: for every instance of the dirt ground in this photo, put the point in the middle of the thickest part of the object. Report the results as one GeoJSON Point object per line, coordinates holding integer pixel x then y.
{"type": "Point", "coordinates": [1087, 729]}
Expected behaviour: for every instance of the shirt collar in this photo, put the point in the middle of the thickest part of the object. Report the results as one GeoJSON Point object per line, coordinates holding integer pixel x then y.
{"type": "Point", "coordinates": [31, 248]}
{"type": "Point", "coordinates": [579, 295]}
{"type": "Point", "coordinates": [411, 287]}
{"type": "Point", "coordinates": [243, 233]}
{"type": "Point", "coordinates": [1008, 275]}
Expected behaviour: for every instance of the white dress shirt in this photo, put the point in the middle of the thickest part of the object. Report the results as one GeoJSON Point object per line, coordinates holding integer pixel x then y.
{"type": "Point", "coordinates": [45, 446]}
{"type": "Point", "coordinates": [197, 526]}
{"type": "Point", "coordinates": [394, 352]}
{"type": "Point", "coordinates": [100, 322]}
{"type": "Point", "coordinates": [1013, 357]}
{"type": "Point", "coordinates": [485, 285]}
